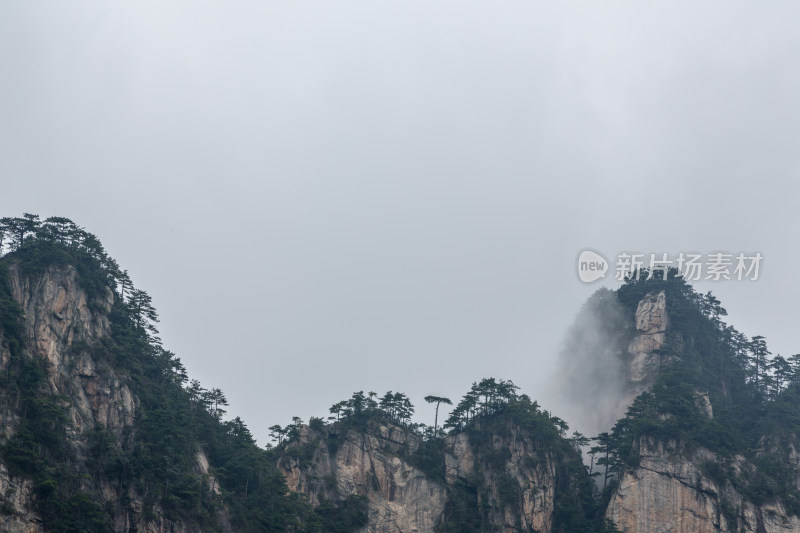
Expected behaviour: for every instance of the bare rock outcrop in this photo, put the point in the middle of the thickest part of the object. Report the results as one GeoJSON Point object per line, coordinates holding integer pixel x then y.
{"type": "Point", "coordinates": [61, 325]}
{"type": "Point", "coordinates": [527, 466]}
{"type": "Point", "coordinates": [644, 359]}
{"type": "Point", "coordinates": [652, 322]}
{"type": "Point", "coordinates": [365, 463]}
{"type": "Point", "coordinates": [401, 498]}
{"type": "Point", "coordinates": [669, 492]}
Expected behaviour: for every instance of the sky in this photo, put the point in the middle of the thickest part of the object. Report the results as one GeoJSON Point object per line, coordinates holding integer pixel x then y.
{"type": "Point", "coordinates": [326, 197]}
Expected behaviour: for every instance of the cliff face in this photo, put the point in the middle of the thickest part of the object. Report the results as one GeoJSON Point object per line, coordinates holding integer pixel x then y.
{"type": "Point", "coordinates": [58, 321]}
{"type": "Point", "coordinates": [401, 497]}
{"type": "Point", "coordinates": [60, 327]}
{"type": "Point", "coordinates": [527, 467]}
{"type": "Point", "coordinates": [512, 477]}
{"type": "Point", "coordinates": [652, 322]}
{"type": "Point", "coordinates": [509, 470]}
{"type": "Point", "coordinates": [669, 492]}
{"type": "Point", "coordinates": [644, 361]}
{"type": "Point", "coordinates": [677, 484]}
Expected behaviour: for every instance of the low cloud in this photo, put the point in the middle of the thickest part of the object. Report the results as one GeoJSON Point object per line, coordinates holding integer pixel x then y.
{"type": "Point", "coordinates": [590, 379]}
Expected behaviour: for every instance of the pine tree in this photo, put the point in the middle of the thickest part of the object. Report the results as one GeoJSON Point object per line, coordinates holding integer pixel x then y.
{"type": "Point", "coordinates": [438, 400]}
{"type": "Point", "coordinates": [759, 362]}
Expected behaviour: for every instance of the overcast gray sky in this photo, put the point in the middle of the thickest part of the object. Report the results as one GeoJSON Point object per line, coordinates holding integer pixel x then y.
{"type": "Point", "coordinates": [324, 197]}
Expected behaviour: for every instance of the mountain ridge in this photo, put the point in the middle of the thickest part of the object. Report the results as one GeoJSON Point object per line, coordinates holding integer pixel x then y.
{"type": "Point", "coordinates": [102, 429]}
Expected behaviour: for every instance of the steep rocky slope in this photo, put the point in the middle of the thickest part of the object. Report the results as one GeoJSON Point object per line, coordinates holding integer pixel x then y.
{"type": "Point", "coordinates": [651, 320]}
{"type": "Point", "coordinates": [101, 430]}
{"type": "Point", "coordinates": [708, 442]}
{"type": "Point", "coordinates": [335, 466]}
{"type": "Point", "coordinates": [60, 326]}
{"type": "Point", "coordinates": [501, 475]}
{"type": "Point", "coordinates": [523, 480]}
{"type": "Point", "coordinates": [671, 490]}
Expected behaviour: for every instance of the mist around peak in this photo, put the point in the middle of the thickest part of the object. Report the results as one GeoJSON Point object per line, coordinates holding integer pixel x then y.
{"type": "Point", "coordinates": [589, 385]}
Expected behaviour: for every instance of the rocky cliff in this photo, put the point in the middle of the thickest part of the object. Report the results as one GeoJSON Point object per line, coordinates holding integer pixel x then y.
{"type": "Point", "coordinates": [333, 466]}
{"type": "Point", "coordinates": [100, 427]}
{"type": "Point", "coordinates": [521, 485]}
{"type": "Point", "coordinates": [60, 326]}
{"type": "Point", "coordinates": [672, 490]}
{"type": "Point", "coordinates": [662, 484]}
{"type": "Point", "coordinates": [651, 321]}
{"type": "Point", "coordinates": [644, 359]}
{"type": "Point", "coordinates": [496, 480]}
{"type": "Point", "coordinates": [709, 442]}
{"type": "Point", "coordinates": [101, 430]}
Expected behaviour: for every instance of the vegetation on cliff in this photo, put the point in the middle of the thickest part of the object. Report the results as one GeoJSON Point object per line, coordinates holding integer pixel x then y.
{"type": "Point", "coordinates": [175, 418]}
{"type": "Point", "coordinates": [706, 366]}
{"type": "Point", "coordinates": [753, 398]}
{"type": "Point", "coordinates": [492, 416]}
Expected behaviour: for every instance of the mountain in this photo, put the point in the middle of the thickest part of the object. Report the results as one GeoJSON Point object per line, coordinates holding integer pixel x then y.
{"type": "Point", "coordinates": [101, 428]}
{"type": "Point", "coordinates": [691, 425]}
{"type": "Point", "coordinates": [709, 438]}
{"type": "Point", "coordinates": [505, 466]}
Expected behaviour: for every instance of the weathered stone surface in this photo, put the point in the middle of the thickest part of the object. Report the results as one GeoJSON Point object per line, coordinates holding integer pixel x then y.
{"type": "Point", "coordinates": [60, 326]}
{"type": "Point", "coordinates": [652, 322]}
{"type": "Point", "coordinates": [668, 493]}
{"type": "Point", "coordinates": [651, 313]}
{"type": "Point", "coordinates": [401, 498]}
{"type": "Point", "coordinates": [529, 466]}
{"type": "Point", "coordinates": [644, 362]}
{"type": "Point", "coordinates": [16, 494]}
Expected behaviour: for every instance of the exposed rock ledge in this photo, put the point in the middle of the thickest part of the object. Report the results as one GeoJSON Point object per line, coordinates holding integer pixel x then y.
{"type": "Point", "coordinates": [668, 493]}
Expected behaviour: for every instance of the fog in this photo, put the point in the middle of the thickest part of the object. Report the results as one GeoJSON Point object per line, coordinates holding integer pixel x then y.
{"type": "Point", "coordinates": [589, 388]}
{"type": "Point", "coordinates": [337, 196]}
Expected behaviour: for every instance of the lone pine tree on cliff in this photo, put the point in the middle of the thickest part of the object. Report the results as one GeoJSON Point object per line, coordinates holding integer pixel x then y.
{"type": "Point", "coordinates": [437, 400]}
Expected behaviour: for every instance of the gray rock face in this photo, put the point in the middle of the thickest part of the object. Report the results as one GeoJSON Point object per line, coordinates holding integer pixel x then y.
{"type": "Point", "coordinates": [401, 497]}
{"type": "Point", "coordinates": [57, 320]}
{"type": "Point", "coordinates": [668, 493]}
{"type": "Point", "coordinates": [16, 498]}
{"type": "Point", "coordinates": [652, 322]}
{"type": "Point", "coordinates": [644, 362]}
{"type": "Point", "coordinates": [60, 326]}
{"type": "Point", "coordinates": [531, 468]}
